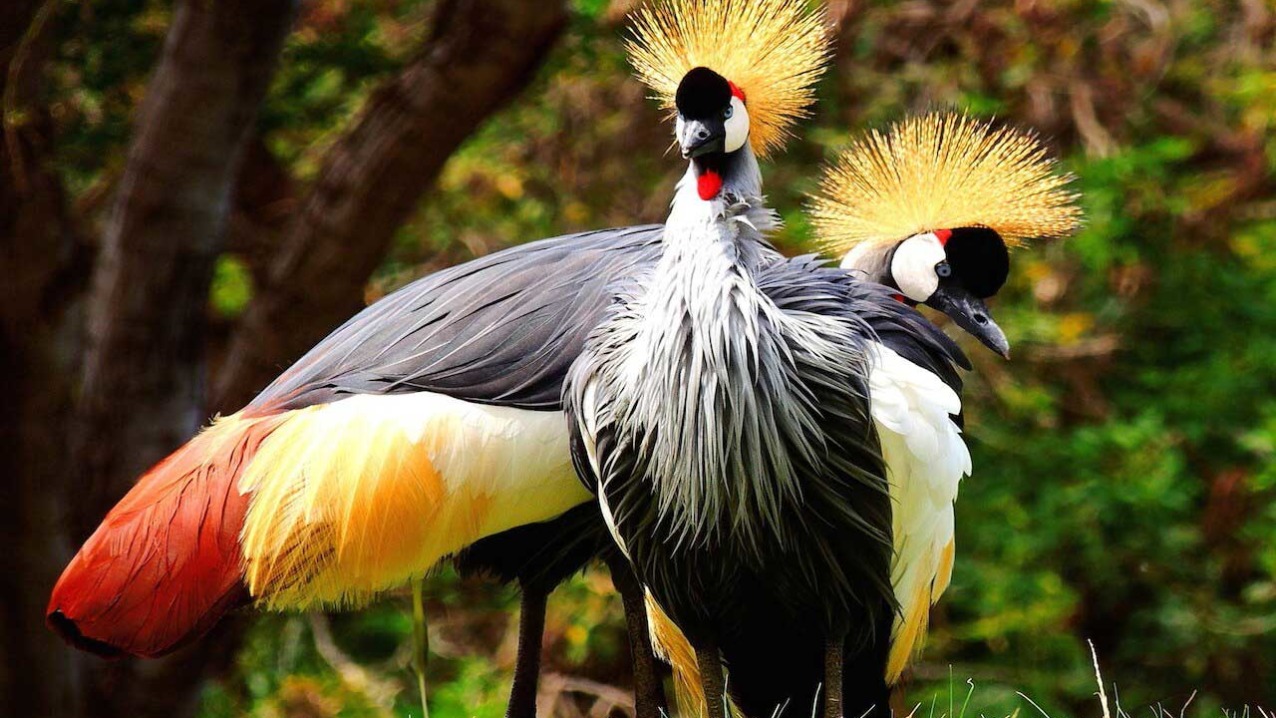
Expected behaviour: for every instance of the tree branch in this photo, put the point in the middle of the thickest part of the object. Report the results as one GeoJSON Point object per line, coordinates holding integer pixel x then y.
{"type": "Point", "coordinates": [480, 54]}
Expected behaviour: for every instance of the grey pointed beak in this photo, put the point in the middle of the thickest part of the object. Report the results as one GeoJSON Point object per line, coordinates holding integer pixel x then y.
{"type": "Point", "coordinates": [970, 313]}
{"type": "Point", "coordinates": [700, 138]}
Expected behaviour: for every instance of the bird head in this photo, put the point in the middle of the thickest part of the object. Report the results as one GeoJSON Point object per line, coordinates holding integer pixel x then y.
{"type": "Point", "coordinates": [954, 271]}
{"type": "Point", "coordinates": [712, 125]}
{"type": "Point", "coordinates": [735, 75]}
{"type": "Point", "coordinates": [932, 207]}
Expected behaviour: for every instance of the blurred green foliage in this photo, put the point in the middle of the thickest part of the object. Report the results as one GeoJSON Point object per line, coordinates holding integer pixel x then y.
{"type": "Point", "coordinates": [1125, 487]}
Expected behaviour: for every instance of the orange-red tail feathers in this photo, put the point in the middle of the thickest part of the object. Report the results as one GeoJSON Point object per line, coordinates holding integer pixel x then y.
{"type": "Point", "coordinates": [165, 564]}
{"type": "Point", "coordinates": [323, 505]}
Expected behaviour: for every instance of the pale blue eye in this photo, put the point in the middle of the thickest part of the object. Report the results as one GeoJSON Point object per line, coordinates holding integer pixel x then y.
{"type": "Point", "coordinates": [727, 113]}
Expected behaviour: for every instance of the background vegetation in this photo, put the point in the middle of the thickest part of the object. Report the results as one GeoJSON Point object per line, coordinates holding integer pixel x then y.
{"type": "Point", "coordinates": [1125, 483]}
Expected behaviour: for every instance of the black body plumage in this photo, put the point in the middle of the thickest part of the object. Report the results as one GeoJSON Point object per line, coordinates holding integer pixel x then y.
{"type": "Point", "coordinates": [773, 664]}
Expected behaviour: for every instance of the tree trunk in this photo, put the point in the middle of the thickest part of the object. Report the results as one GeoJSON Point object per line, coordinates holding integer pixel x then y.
{"type": "Point", "coordinates": [142, 391]}
{"type": "Point", "coordinates": [144, 368]}
{"type": "Point", "coordinates": [41, 262]}
{"type": "Point", "coordinates": [480, 54]}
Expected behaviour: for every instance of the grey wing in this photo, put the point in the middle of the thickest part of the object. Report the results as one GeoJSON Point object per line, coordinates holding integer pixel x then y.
{"type": "Point", "coordinates": [500, 329]}
{"type": "Point", "coordinates": [803, 282]}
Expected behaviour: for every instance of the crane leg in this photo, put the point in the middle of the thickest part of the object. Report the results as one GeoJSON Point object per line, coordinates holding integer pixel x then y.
{"type": "Point", "coordinates": [715, 688]}
{"type": "Point", "coordinates": [420, 642]}
{"type": "Point", "coordinates": [527, 667]}
{"type": "Point", "coordinates": [649, 692]}
{"type": "Point", "coordinates": [833, 677]}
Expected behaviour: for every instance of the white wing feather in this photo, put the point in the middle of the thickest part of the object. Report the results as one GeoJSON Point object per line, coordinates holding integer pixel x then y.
{"type": "Point", "coordinates": [925, 461]}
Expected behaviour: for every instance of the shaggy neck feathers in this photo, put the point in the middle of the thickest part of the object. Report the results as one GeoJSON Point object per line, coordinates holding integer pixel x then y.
{"type": "Point", "coordinates": [701, 369]}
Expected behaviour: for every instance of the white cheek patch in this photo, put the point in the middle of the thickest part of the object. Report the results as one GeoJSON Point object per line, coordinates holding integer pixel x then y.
{"type": "Point", "coordinates": [737, 126]}
{"type": "Point", "coordinates": [913, 266]}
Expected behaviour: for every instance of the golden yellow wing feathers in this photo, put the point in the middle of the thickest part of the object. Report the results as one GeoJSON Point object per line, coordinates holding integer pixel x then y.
{"type": "Point", "coordinates": [354, 497]}
{"type": "Point", "coordinates": [773, 50]}
{"type": "Point", "coordinates": [942, 171]}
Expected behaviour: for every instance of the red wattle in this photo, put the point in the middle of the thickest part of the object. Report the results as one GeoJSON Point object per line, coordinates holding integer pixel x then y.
{"type": "Point", "coordinates": [709, 184]}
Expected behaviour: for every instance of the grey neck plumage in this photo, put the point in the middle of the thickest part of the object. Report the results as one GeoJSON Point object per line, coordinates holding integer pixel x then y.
{"type": "Point", "coordinates": [701, 350]}
{"type": "Point", "coordinates": [740, 200]}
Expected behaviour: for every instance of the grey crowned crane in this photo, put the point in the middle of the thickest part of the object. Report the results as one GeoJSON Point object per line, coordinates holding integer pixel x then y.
{"type": "Point", "coordinates": [928, 208]}
{"type": "Point", "coordinates": [721, 410]}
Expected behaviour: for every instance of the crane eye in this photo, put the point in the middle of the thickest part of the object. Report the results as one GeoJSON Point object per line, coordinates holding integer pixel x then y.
{"type": "Point", "coordinates": [727, 113]}
{"type": "Point", "coordinates": [943, 270]}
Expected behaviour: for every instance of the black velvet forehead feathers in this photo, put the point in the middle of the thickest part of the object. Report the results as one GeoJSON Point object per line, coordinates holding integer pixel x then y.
{"type": "Point", "coordinates": [979, 259]}
{"type": "Point", "coordinates": [702, 94]}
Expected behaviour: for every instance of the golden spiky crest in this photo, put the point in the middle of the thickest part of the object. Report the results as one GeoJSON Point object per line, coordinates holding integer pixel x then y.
{"type": "Point", "coordinates": [773, 50]}
{"type": "Point", "coordinates": [942, 171]}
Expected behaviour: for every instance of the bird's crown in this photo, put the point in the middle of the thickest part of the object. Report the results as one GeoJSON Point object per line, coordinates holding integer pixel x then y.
{"type": "Point", "coordinates": [938, 171]}
{"type": "Point", "coordinates": [773, 51]}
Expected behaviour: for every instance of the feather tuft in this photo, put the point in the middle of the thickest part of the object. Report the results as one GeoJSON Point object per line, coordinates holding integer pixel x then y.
{"type": "Point", "coordinates": [671, 646]}
{"type": "Point", "coordinates": [942, 171]}
{"type": "Point", "coordinates": [773, 51]}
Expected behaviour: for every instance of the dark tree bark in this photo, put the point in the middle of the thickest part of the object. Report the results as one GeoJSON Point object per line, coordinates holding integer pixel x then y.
{"type": "Point", "coordinates": [144, 368]}
{"type": "Point", "coordinates": [480, 54]}
{"type": "Point", "coordinates": [142, 378]}
{"type": "Point", "coordinates": [41, 261]}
